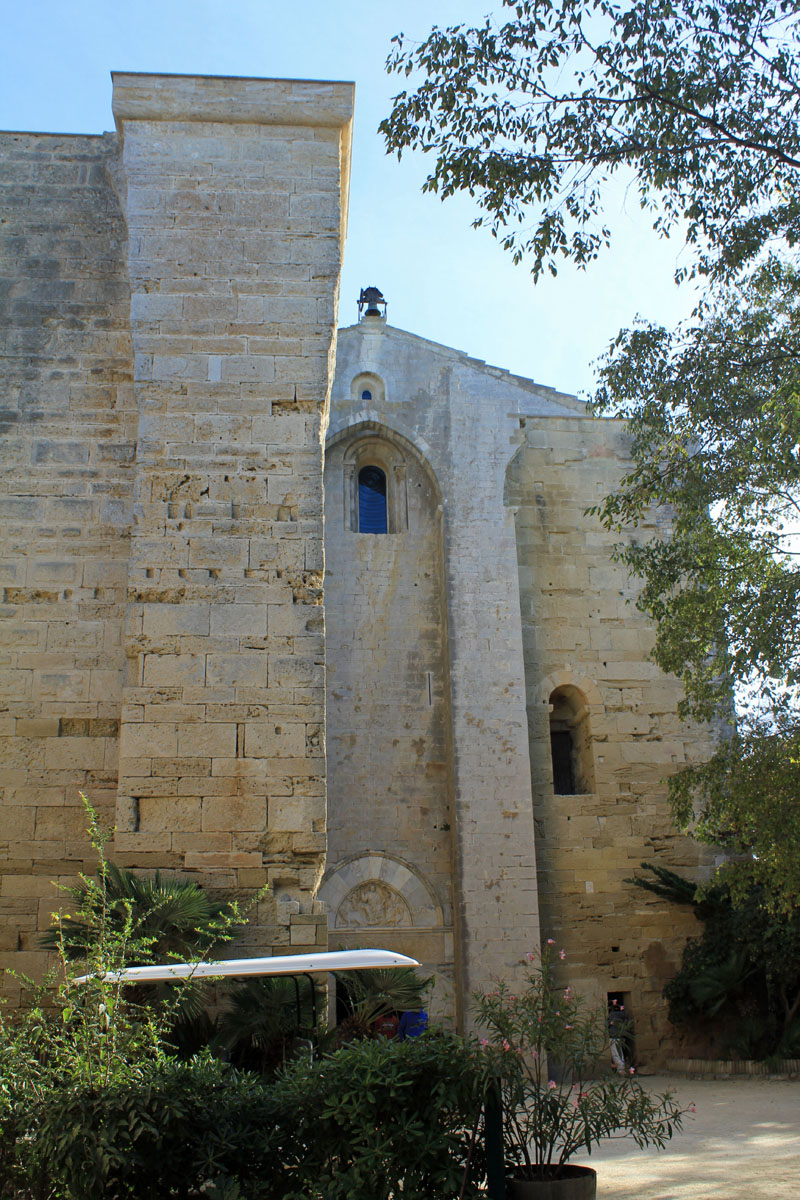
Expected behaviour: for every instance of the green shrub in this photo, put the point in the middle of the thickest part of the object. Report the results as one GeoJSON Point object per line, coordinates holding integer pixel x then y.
{"type": "Point", "coordinates": [261, 1021]}
{"type": "Point", "coordinates": [374, 1119]}
{"type": "Point", "coordinates": [386, 1118]}
{"type": "Point", "coordinates": [93, 1104]}
{"type": "Point", "coordinates": [738, 984]}
{"type": "Point", "coordinates": [165, 1131]}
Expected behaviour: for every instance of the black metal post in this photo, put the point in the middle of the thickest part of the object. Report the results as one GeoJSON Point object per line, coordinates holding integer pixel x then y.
{"type": "Point", "coordinates": [493, 1125]}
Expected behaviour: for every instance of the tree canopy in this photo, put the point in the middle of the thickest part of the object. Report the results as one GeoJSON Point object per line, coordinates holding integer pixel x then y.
{"type": "Point", "coordinates": [738, 985]}
{"type": "Point", "coordinates": [699, 104]}
{"type": "Point", "coordinates": [714, 414]}
{"type": "Point", "coordinates": [532, 117]}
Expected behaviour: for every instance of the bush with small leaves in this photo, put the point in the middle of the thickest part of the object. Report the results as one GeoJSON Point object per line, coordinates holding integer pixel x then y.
{"type": "Point", "coordinates": [384, 1118]}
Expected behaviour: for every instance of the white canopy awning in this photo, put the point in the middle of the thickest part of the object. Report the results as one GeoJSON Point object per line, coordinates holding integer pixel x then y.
{"type": "Point", "coordinates": [278, 964]}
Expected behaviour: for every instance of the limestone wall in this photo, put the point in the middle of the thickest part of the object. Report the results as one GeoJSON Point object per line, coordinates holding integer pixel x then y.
{"type": "Point", "coordinates": [534, 604]}
{"type": "Point", "coordinates": [172, 331]}
{"type": "Point", "coordinates": [460, 418]}
{"type": "Point", "coordinates": [582, 630]}
{"type": "Point", "coordinates": [66, 500]}
{"type": "Point", "coordinates": [168, 306]}
{"type": "Point", "coordinates": [390, 768]}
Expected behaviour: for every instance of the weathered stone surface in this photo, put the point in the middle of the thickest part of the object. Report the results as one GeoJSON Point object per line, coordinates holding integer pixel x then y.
{"type": "Point", "coordinates": [581, 630]}
{"type": "Point", "coordinates": [446, 638]}
{"type": "Point", "coordinates": [168, 334]}
{"type": "Point", "coordinates": [169, 296]}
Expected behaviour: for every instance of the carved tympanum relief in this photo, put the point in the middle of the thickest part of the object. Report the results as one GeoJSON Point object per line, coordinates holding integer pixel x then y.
{"type": "Point", "coordinates": [372, 903]}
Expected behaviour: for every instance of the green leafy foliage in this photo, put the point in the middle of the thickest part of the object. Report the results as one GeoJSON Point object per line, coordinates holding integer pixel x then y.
{"type": "Point", "coordinates": [372, 1120]}
{"type": "Point", "coordinates": [697, 101]}
{"type": "Point", "coordinates": [714, 415]}
{"type": "Point", "coordinates": [534, 115]}
{"type": "Point", "coordinates": [93, 1101]}
{"type": "Point", "coordinates": [122, 919]}
{"type": "Point", "coordinates": [174, 917]}
{"type": "Point", "coordinates": [739, 983]}
{"type": "Point", "coordinates": [370, 995]}
{"type": "Point", "coordinates": [85, 1033]}
{"type": "Point", "coordinates": [259, 1024]}
{"type": "Point", "coordinates": [384, 1118]}
{"type": "Point", "coordinates": [165, 1129]}
{"type": "Point", "coordinates": [543, 1048]}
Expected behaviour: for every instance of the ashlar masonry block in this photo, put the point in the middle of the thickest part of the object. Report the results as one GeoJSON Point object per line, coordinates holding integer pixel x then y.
{"type": "Point", "coordinates": [212, 180]}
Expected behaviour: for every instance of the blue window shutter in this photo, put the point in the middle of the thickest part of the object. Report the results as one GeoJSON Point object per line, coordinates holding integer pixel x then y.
{"type": "Point", "coordinates": [372, 514]}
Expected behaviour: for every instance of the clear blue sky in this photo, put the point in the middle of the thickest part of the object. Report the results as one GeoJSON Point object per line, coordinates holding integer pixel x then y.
{"type": "Point", "coordinates": [442, 279]}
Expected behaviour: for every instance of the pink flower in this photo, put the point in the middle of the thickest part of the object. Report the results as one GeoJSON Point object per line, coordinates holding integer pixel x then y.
{"type": "Point", "coordinates": [692, 1108]}
{"type": "Point", "coordinates": [484, 1041]}
{"type": "Point", "coordinates": [562, 954]}
{"type": "Point", "coordinates": [530, 956]}
{"type": "Point", "coordinates": [506, 1045]}
{"type": "Point", "coordinates": [567, 993]}
{"type": "Point", "coordinates": [551, 941]}
{"type": "Point", "coordinates": [632, 1070]}
{"type": "Point", "coordinates": [551, 1085]}
{"type": "Point", "coordinates": [569, 1026]}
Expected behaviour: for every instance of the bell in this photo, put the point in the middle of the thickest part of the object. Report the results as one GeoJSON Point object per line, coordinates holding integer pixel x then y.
{"type": "Point", "coordinates": [369, 303]}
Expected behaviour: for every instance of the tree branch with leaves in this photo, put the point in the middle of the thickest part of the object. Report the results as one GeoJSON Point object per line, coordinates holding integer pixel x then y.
{"type": "Point", "coordinates": [534, 115]}
{"type": "Point", "coordinates": [698, 103]}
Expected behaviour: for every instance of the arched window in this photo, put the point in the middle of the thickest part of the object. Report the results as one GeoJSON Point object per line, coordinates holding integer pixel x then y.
{"type": "Point", "coordinates": [570, 743]}
{"type": "Point", "coordinates": [374, 482]}
{"type": "Point", "coordinates": [368, 388]}
{"type": "Point", "coordinates": [372, 511]}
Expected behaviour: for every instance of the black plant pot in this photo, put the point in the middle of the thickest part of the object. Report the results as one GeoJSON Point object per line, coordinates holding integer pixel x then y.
{"type": "Point", "coordinates": [573, 1183]}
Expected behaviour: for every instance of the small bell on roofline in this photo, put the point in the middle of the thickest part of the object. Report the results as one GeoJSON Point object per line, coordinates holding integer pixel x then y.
{"type": "Point", "coordinates": [370, 302]}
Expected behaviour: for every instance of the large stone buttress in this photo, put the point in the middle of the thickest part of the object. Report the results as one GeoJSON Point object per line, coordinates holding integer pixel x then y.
{"type": "Point", "coordinates": [169, 356]}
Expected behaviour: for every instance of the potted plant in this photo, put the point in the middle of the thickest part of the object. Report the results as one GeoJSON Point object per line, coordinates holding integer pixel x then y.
{"type": "Point", "coordinates": [543, 1048]}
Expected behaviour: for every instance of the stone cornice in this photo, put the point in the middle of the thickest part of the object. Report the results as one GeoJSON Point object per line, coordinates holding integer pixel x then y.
{"type": "Point", "coordinates": [229, 99]}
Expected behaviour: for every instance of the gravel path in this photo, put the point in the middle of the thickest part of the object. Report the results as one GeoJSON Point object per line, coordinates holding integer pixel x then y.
{"type": "Point", "coordinates": [743, 1143]}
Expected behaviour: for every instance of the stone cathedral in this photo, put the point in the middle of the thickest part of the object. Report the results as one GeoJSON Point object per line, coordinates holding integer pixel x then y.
{"type": "Point", "coordinates": [314, 610]}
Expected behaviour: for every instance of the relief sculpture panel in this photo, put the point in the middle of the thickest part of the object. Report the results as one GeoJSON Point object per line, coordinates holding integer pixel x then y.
{"type": "Point", "coordinates": [373, 904]}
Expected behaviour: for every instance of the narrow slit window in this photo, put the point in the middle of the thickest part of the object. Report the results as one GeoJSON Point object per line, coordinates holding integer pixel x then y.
{"type": "Point", "coordinates": [570, 743]}
{"type": "Point", "coordinates": [372, 510]}
{"type": "Point", "coordinates": [563, 769]}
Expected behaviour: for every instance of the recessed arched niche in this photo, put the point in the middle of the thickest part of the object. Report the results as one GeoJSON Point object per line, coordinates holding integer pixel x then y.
{"type": "Point", "coordinates": [367, 388]}
{"type": "Point", "coordinates": [375, 484]}
{"type": "Point", "coordinates": [570, 742]}
{"type": "Point", "coordinates": [378, 891]}
{"type": "Point", "coordinates": [390, 778]}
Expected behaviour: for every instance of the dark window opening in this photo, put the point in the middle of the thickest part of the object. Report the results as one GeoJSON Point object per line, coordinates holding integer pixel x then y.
{"type": "Point", "coordinates": [372, 510]}
{"type": "Point", "coordinates": [570, 743]}
{"type": "Point", "coordinates": [366, 394]}
{"type": "Point", "coordinates": [563, 765]}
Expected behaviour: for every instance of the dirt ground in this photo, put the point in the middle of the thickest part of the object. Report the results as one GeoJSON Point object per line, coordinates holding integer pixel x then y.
{"type": "Point", "coordinates": [743, 1143]}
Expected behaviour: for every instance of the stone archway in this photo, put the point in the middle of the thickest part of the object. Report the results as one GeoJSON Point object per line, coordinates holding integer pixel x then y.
{"type": "Point", "coordinates": [378, 891]}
